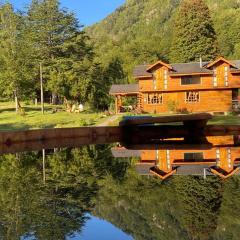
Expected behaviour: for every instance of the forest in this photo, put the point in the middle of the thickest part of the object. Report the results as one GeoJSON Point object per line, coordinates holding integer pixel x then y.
{"type": "Point", "coordinates": [79, 64]}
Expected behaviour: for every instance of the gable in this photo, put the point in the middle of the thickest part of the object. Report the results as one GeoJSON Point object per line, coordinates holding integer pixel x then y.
{"type": "Point", "coordinates": [218, 61]}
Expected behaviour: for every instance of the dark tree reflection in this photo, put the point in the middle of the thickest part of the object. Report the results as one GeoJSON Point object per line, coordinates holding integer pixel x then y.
{"type": "Point", "coordinates": [57, 208]}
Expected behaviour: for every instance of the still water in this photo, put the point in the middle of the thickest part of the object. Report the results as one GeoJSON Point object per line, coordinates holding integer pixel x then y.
{"type": "Point", "coordinates": [116, 192]}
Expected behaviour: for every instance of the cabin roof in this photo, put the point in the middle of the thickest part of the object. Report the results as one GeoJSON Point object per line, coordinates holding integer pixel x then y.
{"type": "Point", "coordinates": [124, 89]}
{"type": "Point", "coordinates": [141, 70]}
{"type": "Point", "coordinates": [183, 68]}
{"type": "Point", "coordinates": [193, 170]}
{"type": "Point", "coordinates": [125, 153]}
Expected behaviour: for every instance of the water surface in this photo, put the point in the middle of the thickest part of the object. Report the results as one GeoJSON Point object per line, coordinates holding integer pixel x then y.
{"type": "Point", "coordinates": [87, 193]}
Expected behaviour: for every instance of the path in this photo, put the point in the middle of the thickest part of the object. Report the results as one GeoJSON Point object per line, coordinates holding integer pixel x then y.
{"type": "Point", "coordinates": [109, 120]}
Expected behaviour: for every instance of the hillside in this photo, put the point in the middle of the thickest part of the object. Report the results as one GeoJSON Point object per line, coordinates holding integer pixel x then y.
{"type": "Point", "coordinates": [141, 31]}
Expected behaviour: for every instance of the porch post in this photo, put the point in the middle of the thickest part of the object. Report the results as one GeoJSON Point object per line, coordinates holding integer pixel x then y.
{"type": "Point", "coordinates": [118, 103]}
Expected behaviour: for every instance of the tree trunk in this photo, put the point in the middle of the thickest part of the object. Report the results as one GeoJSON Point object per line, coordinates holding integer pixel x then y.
{"type": "Point", "coordinates": [17, 103]}
{"type": "Point", "coordinates": [54, 98]}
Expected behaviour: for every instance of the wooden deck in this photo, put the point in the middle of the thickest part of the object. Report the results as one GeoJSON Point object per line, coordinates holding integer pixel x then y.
{"type": "Point", "coordinates": [132, 131]}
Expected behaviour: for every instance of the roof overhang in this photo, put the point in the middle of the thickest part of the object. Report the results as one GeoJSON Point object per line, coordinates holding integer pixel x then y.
{"type": "Point", "coordinates": [189, 74]}
{"type": "Point", "coordinates": [218, 60]}
{"type": "Point", "coordinates": [223, 175]}
{"type": "Point", "coordinates": [155, 65]}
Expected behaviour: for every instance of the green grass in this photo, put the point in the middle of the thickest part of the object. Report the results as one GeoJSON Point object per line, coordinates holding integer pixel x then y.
{"type": "Point", "coordinates": [33, 118]}
{"type": "Point", "coordinates": [228, 120]}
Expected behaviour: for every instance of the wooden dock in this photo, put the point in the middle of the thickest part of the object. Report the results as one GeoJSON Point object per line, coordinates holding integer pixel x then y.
{"type": "Point", "coordinates": [190, 128]}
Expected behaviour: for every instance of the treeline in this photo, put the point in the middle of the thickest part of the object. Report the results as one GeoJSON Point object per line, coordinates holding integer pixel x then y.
{"type": "Point", "coordinates": [171, 30]}
{"type": "Point", "coordinates": [47, 35]}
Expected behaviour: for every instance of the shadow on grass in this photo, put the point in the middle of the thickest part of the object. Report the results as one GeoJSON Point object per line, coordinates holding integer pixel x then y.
{"type": "Point", "coordinates": [22, 126]}
{"type": "Point", "coordinates": [28, 109]}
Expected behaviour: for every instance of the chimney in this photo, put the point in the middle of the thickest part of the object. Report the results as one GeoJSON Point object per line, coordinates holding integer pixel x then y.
{"type": "Point", "coordinates": [201, 64]}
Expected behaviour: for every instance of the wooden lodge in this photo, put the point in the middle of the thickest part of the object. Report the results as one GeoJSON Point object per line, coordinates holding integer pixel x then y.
{"type": "Point", "coordinates": [212, 87]}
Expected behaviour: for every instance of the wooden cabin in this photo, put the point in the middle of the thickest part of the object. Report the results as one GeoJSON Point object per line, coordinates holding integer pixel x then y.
{"type": "Point", "coordinates": [212, 87]}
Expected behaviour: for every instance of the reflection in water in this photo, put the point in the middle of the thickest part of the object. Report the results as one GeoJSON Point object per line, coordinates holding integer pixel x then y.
{"type": "Point", "coordinates": [219, 155]}
{"type": "Point", "coordinates": [50, 194]}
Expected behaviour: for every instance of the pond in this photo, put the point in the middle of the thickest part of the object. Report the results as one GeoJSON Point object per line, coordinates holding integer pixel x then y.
{"type": "Point", "coordinates": [150, 191]}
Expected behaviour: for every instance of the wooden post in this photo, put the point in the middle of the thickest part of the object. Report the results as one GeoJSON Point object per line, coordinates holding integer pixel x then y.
{"type": "Point", "coordinates": [16, 100]}
{"type": "Point", "coordinates": [41, 83]}
{"type": "Point", "coordinates": [116, 105]}
{"type": "Point", "coordinates": [44, 171]}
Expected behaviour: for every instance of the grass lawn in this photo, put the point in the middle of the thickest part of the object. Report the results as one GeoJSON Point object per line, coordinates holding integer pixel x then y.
{"type": "Point", "coordinates": [33, 118]}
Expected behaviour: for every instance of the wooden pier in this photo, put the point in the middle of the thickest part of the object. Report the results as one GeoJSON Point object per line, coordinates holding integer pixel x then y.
{"type": "Point", "coordinates": [190, 128]}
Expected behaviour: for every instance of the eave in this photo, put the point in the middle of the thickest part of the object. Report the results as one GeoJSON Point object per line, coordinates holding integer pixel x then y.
{"type": "Point", "coordinates": [149, 69]}
{"type": "Point", "coordinates": [189, 74]}
{"type": "Point", "coordinates": [225, 176]}
{"type": "Point", "coordinates": [218, 60]}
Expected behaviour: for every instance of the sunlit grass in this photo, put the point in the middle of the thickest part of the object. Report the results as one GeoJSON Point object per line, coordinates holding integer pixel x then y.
{"type": "Point", "coordinates": [32, 118]}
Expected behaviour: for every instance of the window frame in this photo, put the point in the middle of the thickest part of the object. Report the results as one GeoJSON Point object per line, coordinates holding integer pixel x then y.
{"type": "Point", "coordinates": [191, 76]}
{"type": "Point", "coordinates": [199, 99]}
{"type": "Point", "coordinates": [150, 102]}
{"type": "Point", "coordinates": [194, 153]}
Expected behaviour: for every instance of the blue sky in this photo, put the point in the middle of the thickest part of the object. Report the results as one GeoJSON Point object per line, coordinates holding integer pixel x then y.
{"type": "Point", "coordinates": [88, 11]}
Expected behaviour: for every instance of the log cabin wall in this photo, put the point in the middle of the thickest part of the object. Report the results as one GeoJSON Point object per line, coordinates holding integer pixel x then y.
{"type": "Point", "coordinates": [209, 101]}
{"type": "Point", "coordinates": [214, 94]}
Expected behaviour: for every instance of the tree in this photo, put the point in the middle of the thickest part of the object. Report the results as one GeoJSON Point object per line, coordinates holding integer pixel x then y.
{"type": "Point", "coordinates": [59, 44]}
{"type": "Point", "coordinates": [14, 55]}
{"type": "Point", "coordinates": [194, 35]}
{"type": "Point", "coordinates": [101, 81]}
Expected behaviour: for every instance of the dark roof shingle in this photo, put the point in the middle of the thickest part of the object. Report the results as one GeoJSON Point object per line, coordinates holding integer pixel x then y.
{"type": "Point", "coordinates": [125, 153]}
{"type": "Point", "coordinates": [181, 68]}
{"type": "Point", "coordinates": [140, 70]}
{"type": "Point", "coordinates": [124, 88]}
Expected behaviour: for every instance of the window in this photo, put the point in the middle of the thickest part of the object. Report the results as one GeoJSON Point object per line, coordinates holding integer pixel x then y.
{"type": "Point", "coordinates": [192, 97]}
{"type": "Point", "coordinates": [155, 98]}
{"type": "Point", "coordinates": [165, 79]}
{"type": "Point", "coordinates": [226, 76]}
{"type": "Point", "coordinates": [187, 80]}
{"type": "Point", "coordinates": [154, 81]}
{"type": "Point", "coordinates": [215, 77]}
{"type": "Point", "coordinates": [193, 156]}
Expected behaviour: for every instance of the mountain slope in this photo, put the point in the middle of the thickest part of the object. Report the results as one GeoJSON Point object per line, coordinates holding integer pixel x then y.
{"type": "Point", "coordinates": [141, 30]}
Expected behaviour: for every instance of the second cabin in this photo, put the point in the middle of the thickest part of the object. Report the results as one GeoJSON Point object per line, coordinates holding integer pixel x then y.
{"type": "Point", "coordinates": [184, 87]}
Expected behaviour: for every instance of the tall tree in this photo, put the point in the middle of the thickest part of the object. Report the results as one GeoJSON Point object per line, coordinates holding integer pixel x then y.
{"type": "Point", "coordinates": [194, 35]}
{"type": "Point", "coordinates": [14, 55]}
{"type": "Point", "coordinates": [58, 42]}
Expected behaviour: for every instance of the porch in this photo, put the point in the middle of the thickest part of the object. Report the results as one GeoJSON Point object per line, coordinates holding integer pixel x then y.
{"type": "Point", "coordinates": [122, 91]}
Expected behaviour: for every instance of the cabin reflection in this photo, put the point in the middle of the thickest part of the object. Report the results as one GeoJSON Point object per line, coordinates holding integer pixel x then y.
{"type": "Point", "coordinates": [220, 156]}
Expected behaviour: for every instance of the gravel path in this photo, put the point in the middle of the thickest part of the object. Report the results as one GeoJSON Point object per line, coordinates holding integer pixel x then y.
{"type": "Point", "coordinates": [108, 121]}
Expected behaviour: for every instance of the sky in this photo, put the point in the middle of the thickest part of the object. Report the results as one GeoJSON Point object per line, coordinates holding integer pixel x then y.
{"type": "Point", "coordinates": [87, 11]}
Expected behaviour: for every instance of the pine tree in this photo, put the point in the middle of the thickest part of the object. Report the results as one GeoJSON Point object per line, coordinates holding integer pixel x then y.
{"type": "Point", "coordinates": [193, 33]}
